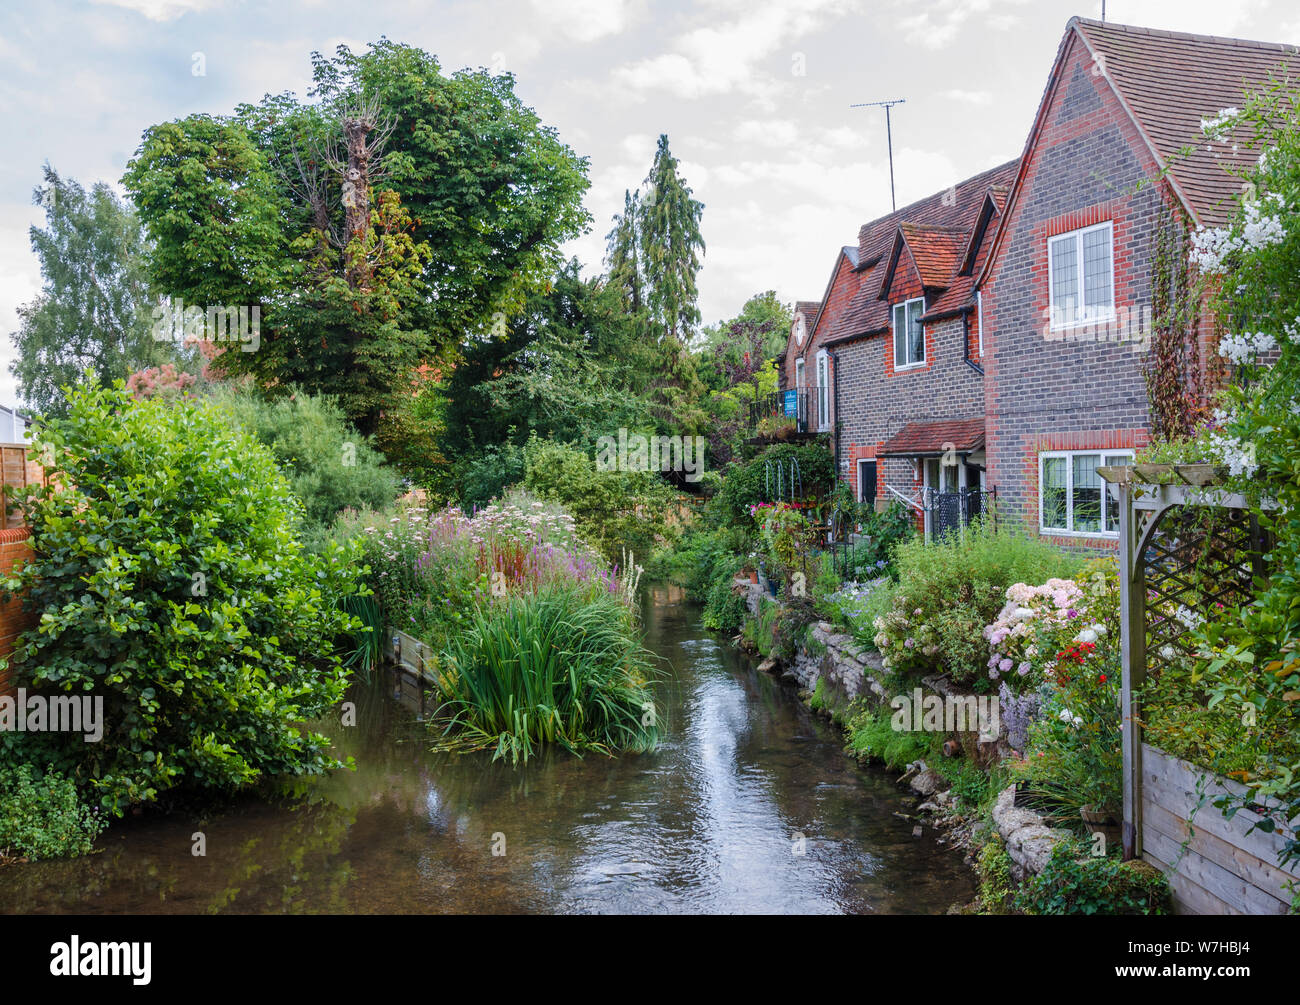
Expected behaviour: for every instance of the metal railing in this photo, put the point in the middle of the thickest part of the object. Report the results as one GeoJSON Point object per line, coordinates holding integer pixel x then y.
{"type": "Point", "coordinates": [795, 409]}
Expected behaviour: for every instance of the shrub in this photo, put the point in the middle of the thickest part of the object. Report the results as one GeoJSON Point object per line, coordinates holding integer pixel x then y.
{"type": "Point", "coordinates": [949, 590]}
{"type": "Point", "coordinates": [556, 667]}
{"type": "Point", "coordinates": [1076, 882]}
{"type": "Point", "coordinates": [487, 473]}
{"type": "Point", "coordinates": [330, 466]}
{"type": "Point", "coordinates": [872, 735]}
{"type": "Point", "coordinates": [42, 816]}
{"type": "Point", "coordinates": [615, 510]}
{"type": "Point", "coordinates": [169, 579]}
{"type": "Point", "coordinates": [749, 483]}
{"type": "Point", "coordinates": [724, 608]}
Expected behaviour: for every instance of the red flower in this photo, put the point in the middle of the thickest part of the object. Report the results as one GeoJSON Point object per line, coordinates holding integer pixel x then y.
{"type": "Point", "coordinates": [1102, 678]}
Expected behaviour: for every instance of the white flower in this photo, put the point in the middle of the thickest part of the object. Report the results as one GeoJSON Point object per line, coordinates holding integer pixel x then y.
{"type": "Point", "coordinates": [1087, 635]}
{"type": "Point", "coordinates": [1078, 721]}
{"type": "Point", "coordinates": [1064, 715]}
{"type": "Point", "coordinates": [1168, 652]}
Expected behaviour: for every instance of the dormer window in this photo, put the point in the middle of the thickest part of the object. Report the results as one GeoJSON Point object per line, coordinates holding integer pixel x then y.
{"type": "Point", "coordinates": [909, 336]}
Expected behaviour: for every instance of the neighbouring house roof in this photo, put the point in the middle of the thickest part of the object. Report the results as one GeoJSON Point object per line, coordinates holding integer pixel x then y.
{"type": "Point", "coordinates": [935, 231]}
{"type": "Point", "coordinates": [806, 309]}
{"type": "Point", "coordinates": [921, 439]}
{"type": "Point", "coordinates": [936, 251]}
{"type": "Point", "coordinates": [1169, 81]}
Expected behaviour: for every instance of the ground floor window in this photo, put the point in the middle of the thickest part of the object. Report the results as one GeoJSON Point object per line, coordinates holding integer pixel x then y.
{"type": "Point", "coordinates": [866, 481]}
{"type": "Point", "coordinates": [1072, 497]}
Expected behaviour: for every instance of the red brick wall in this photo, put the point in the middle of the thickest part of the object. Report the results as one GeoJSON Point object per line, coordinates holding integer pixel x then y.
{"type": "Point", "coordinates": [1043, 391]}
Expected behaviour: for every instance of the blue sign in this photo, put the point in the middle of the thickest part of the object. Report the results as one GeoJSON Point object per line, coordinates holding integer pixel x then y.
{"type": "Point", "coordinates": [791, 402]}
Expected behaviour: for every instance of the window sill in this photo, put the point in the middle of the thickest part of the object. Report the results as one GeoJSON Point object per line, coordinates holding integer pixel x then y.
{"type": "Point", "coordinates": [1087, 323]}
{"type": "Point", "coordinates": [909, 366]}
{"type": "Point", "coordinates": [1100, 535]}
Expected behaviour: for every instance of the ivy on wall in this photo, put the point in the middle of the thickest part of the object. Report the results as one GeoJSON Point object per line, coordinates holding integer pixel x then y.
{"type": "Point", "coordinates": [1176, 384]}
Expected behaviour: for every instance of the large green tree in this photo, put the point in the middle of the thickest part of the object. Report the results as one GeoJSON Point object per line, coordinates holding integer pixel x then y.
{"type": "Point", "coordinates": [379, 227]}
{"type": "Point", "coordinates": [671, 247]}
{"type": "Point", "coordinates": [94, 309]}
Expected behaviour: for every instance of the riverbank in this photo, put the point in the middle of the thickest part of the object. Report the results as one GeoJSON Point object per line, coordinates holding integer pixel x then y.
{"type": "Point", "coordinates": [952, 774]}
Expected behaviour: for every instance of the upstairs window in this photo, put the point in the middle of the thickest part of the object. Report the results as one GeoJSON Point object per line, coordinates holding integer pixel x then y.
{"type": "Point", "coordinates": [1081, 276]}
{"type": "Point", "coordinates": [909, 336]}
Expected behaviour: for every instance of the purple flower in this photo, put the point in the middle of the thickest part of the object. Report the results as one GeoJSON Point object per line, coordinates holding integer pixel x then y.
{"type": "Point", "coordinates": [910, 643]}
{"type": "Point", "coordinates": [1071, 613]}
{"type": "Point", "coordinates": [1024, 668]}
{"type": "Point", "coordinates": [1004, 665]}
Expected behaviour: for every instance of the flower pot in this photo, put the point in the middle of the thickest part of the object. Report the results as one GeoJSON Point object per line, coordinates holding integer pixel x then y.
{"type": "Point", "coordinates": [1099, 821]}
{"type": "Point", "coordinates": [753, 576]}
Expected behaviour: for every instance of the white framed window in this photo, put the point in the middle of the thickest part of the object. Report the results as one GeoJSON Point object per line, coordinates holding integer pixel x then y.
{"type": "Point", "coordinates": [1081, 276]}
{"type": "Point", "coordinates": [823, 391]}
{"type": "Point", "coordinates": [979, 318]}
{"type": "Point", "coordinates": [909, 334]}
{"type": "Point", "coordinates": [1072, 497]}
{"type": "Point", "coordinates": [800, 378]}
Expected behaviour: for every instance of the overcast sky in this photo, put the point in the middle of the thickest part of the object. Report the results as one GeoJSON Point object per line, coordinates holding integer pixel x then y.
{"type": "Point", "coordinates": [754, 95]}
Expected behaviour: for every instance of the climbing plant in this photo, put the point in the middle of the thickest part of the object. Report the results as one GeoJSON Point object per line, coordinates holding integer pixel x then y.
{"type": "Point", "coordinates": [1175, 390]}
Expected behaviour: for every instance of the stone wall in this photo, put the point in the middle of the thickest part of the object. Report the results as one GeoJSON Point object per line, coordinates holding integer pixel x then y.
{"type": "Point", "coordinates": [849, 672]}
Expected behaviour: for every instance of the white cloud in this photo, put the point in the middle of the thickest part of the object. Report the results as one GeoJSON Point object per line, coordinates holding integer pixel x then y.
{"type": "Point", "coordinates": [968, 97]}
{"type": "Point", "coordinates": [586, 20]}
{"type": "Point", "coordinates": [161, 10]}
{"type": "Point", "coordinates": [936, 24]}
{"type": "Point", "coordinates": [724, 58]}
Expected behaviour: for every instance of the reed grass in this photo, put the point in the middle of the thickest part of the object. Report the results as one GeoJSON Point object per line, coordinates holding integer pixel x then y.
{"type": "Point", "coordinates": [560, 666]}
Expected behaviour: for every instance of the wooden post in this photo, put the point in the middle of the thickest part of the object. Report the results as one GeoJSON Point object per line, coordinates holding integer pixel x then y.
{"type": "Point", "coordinates": [1132, 577]}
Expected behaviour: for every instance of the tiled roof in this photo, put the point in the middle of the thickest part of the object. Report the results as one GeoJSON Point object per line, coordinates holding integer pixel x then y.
{"type": "Point", "coordinates": [953, 211]}
{"type": "Point", "coordinates": [920, 438]}
{"type": "Point", "coordinates": [936, 250]}
{"type": "Point", "coordinates": [1170, 81]}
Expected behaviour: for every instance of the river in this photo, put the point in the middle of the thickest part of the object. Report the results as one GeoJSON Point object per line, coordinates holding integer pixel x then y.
{"type": "Point", "coordinates": [748, 806]}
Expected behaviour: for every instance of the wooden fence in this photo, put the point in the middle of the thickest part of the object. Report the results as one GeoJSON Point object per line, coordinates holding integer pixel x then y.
{"type": "Point", "coordinates": [1215, 865]}
{"type": "Point", "coordinates": [16, 471]}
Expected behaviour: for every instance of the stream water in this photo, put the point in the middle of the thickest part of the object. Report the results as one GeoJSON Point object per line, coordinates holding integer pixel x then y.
{"type": "Point", "coordinates": [709, 823]}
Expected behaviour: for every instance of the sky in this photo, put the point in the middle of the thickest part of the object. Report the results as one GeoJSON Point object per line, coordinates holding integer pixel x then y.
{"type": "Point", "coordinates": [754, 95]}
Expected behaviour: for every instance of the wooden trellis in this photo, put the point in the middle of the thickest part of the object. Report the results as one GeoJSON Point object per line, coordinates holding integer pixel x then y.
{"type": "Point", "coordinates": [1174, 524]}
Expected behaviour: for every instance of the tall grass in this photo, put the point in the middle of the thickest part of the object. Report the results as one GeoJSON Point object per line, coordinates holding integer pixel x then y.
{"type": "Point", "coordinates": [560, 666]}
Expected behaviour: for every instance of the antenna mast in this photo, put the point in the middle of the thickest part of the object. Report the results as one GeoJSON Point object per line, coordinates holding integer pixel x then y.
{"type": "Point", "coordinates": [889, 138]}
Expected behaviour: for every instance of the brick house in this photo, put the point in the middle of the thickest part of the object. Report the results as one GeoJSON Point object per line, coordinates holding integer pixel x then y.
{"type": "Point", "coordinates": [997, 333]}
{"type": "Point", "coordinates": [906, 352]}
{"type": "Point", "coordinates": [805, 365]}
{"type": "Point", "coordinates": [1066, 289]}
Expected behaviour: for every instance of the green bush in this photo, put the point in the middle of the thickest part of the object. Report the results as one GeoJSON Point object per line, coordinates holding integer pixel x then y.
{"type": "Point", "coordinates": [169, 580]}
{"type": "Point", "coordinates": [557, 667]}
{"type": "Point", "coordinates": [724, 608]}
{"type": "Point", "coordinates": [872, 735]}
{"type": "Point", "coordinates": [1077, 882]}
{"type": "Point", "coordinates": [949, 590]}
{"type": "Point", "coordinates": [42, 816]}
{"type": "Point", "coordinates": [748, 483]}
{"type": "Point", "coordinates": [330, 466]}
{"type": "Point", "coordinates": [615, 510]}
{"type": "Point", "coordinates": [487, 473]}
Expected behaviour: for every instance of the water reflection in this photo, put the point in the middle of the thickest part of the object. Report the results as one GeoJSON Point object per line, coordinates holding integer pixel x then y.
{"type": "Point", "coordinates": [707, 823]}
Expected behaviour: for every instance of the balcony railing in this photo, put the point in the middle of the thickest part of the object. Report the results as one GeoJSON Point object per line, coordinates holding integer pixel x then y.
{"type": "Point", "coordinates": [785, 413]}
